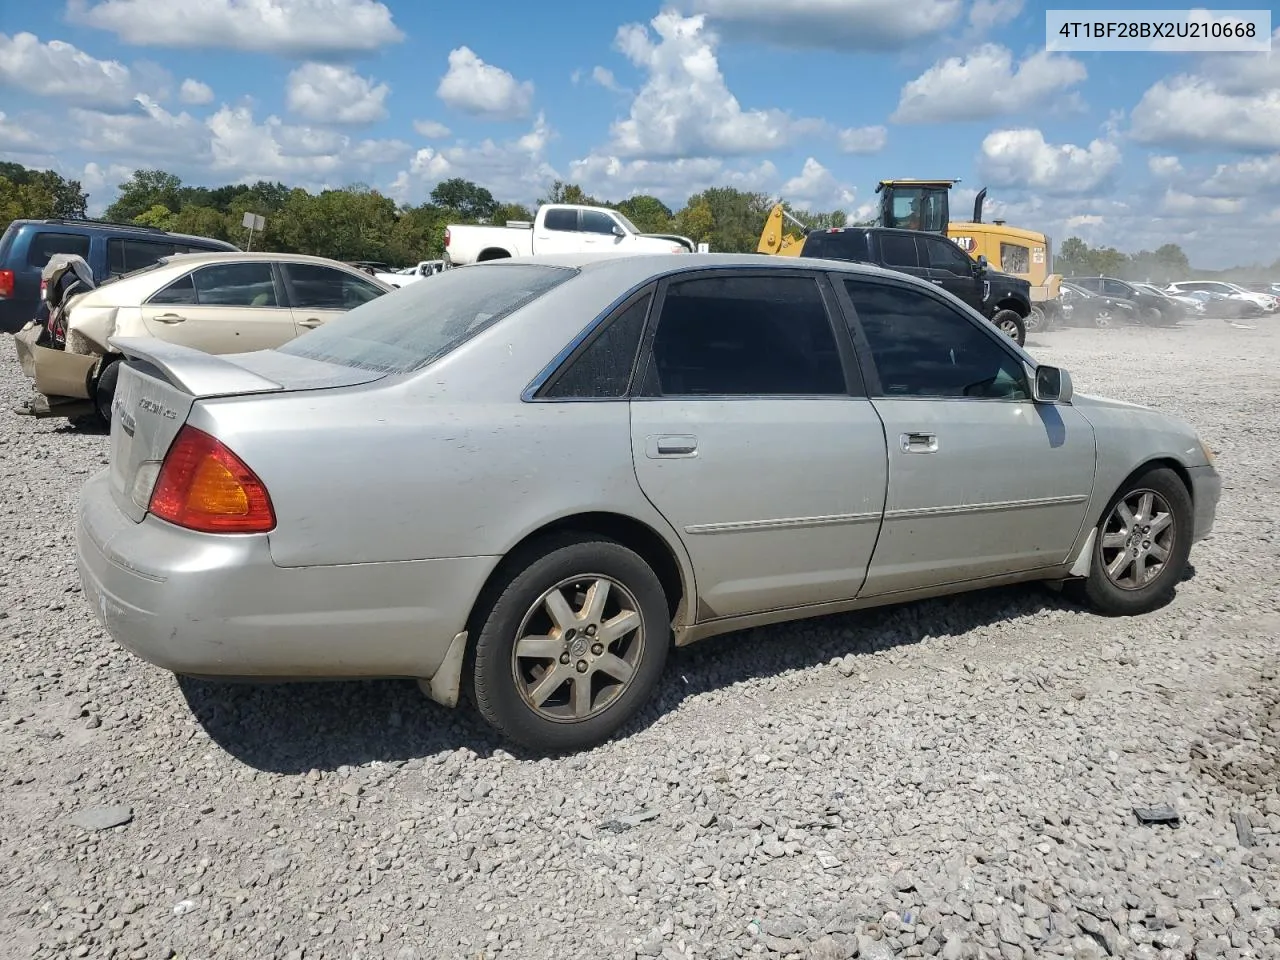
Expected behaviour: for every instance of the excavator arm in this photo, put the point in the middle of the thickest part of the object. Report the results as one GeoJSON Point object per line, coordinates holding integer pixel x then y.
{"type": "Point", "coordinates": [775, 240]}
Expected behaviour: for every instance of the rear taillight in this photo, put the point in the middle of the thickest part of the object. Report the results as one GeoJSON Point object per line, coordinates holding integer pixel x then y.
{"type": "Point", "coordinates": [6, 283]}
{"type": "Point", "coordinates": [447, 236]}
{"type": "Point", "coordinates": [204, 486]}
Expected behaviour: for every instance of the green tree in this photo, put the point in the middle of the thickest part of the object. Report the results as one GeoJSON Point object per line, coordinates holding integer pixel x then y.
{"type": "Point", "coordinates": [157, 216]}
{"type": "Point", "coordinates": [648, 213]}
{"type": "Point", "coordinates": [472, 201]}
{"type": "Point", "coordinates": [66, 198]}
{"type": "Point", "coordinates": [697, 221]}
{"type": "Point", "coordinates": [511, 211]}
{"type": "Point", "coordinates": [737, 217]}
{"type": "Point", "coordinates": [1073, 259]}
{"type": "Point", "coordinates": [418, 234]}
{"type": "Point", "coordinates": [203, 222]}
{"type": "Point", "coordinates": [351, 224]}
{"type": "Point", "coordinates": [562, 192]}
{"type": "Point", "coordinates": [32, 199]}
{"type": "Point", "coordinates": [144, 190]}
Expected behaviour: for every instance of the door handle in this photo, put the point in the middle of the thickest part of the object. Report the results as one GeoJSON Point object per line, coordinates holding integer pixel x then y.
{"type": "Point", "coordinates": [310, 322]}
{"type": "Point", "coordinates": [919, 443]}
{"type": "Point", "coordinates": [168, 318]}
{"type": "Point", "coordinates": [939, 282]}
{"type": "Point", "coordinates": [673, 446]}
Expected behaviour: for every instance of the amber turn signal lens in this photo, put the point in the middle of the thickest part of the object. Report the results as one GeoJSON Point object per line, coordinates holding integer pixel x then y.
{"type": "Point", "coordinates": [204, 486]}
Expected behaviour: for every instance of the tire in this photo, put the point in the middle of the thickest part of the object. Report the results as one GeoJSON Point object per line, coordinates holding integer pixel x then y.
{"type": "Point", "coordinates": [1151, 317]}
{"type": "Point", "coordinates": [1122, 595]}
{"type": "Point", "coordinates": [1009, 323]}
{"type": "Point", "coordinates": [1102, 318]}
{"type": "Point", "coordinates": [504, 685]}
{"type": "Point", "coordinates": [104, 389]}
{"type": "Point", "coordinates": [1037, 320]}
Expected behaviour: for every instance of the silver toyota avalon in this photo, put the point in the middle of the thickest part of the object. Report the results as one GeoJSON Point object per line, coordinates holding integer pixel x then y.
{"type": "Point", "coordinates": [522, 482]}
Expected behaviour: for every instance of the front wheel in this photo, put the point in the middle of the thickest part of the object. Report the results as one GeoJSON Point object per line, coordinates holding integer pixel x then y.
{"type": "Point", "coordinates": [1140, 546]}
{"type": "Point", "coordinates": [1036, 320]}
{"type": "Point", "coordinates": [573, 646]}
{"type": "Point", "coordinates": [1010, 324]}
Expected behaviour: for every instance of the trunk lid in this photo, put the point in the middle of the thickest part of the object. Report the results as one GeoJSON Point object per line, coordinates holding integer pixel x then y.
{"type": "Point", "coordinates": [160, 382]}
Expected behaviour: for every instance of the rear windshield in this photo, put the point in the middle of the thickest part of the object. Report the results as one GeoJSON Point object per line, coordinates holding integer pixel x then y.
{"type": "Point", "coordinates": [845, 245]}
{"type": "Point", "coordinates": [406, 330]}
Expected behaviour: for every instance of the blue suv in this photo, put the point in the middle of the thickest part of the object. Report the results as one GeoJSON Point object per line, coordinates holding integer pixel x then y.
{"type": "Point", "coordinates": [110, 249]}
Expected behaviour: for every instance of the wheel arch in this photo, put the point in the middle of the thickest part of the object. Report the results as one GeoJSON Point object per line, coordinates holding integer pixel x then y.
{"type": "Point", "coordinates": [1021, 307]}
{"type": "Point", "coordinates": [630, 532]}
{"type": "Point", "coordinates": [493, 253]}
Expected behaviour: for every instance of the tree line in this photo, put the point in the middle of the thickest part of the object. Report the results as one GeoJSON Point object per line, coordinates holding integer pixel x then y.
{"type": "Point", "coordinates": [360, 223]}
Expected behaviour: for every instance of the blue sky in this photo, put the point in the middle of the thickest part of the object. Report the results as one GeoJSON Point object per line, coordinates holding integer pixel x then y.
{"type": "Point", "coordinates": [812, 100]}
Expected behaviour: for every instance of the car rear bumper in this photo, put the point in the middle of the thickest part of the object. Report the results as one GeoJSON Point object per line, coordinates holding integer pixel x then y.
{"type": "Point", "coordinates": [1206, 491]}
{"type": "Point", "coordinates": [215, 605]}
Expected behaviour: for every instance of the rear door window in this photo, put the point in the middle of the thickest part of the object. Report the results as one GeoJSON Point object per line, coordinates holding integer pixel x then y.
{"type": "Point", "coordinates": [899, 251]}
{"type": "Point", "coordinates": [46, 243]}
{"type": "Point", "coordinates": [842, 245]}
{"type": "Point", "coordinates": [124, 255]}
{"type": "Point", "coordinates": [236, 285]}
{"type": "Point", "coordinates": [561, 219]}
{"type": "Point", "coordinates": [425, 321]}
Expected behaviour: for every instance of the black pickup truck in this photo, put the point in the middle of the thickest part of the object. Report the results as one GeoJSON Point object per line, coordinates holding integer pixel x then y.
{"type": "Point", "coordinates": [1003, 299]}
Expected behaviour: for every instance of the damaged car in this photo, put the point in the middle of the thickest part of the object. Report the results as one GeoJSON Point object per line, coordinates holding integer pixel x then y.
{"type": "Point", "coordinates": [217, 303]}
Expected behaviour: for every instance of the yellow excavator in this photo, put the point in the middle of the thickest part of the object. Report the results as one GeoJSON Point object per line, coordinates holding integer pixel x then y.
{"type": "Point", "coordinates": [924, 205]}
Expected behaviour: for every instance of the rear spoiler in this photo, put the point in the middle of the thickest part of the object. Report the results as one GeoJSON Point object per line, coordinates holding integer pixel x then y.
{"type": "Point", "coordinates": [198, 373]}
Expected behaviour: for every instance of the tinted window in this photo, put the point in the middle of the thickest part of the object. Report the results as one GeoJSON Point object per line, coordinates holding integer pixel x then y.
{"type": "Point", "coordinates": [842, 245]}
{"type": "Point", "coordinates": [45, 245]}
{"type": "Point", "coordinates": [561, 219]}
{"type": "Point", "coordinates": [603, 369]}
{"type": "Point", "coordinates": [182, 290]}
{"type": "Point", "coordinates": [236, 285]}
{"type": "Point", "coordinates": [945, 255]}
{"type": "Point", "coordinates": [1015, 258]}
{"type": "Point", "coordinates": [425, 321]}
{"type": "Point", "coordinates": [925, 348]}
{"type": "Point", "coordinates": [899, 250]}
{"type": "Point", "coordinates": [593, 221]}
{"type": "Point", "coordinates": [1115, 288]}
{"type": "Point", "coordinates": [125, 256]}
{"type": "Point", "coordinates": [747, 336]}
{"type": "Point", "coordinates": [324, 288]}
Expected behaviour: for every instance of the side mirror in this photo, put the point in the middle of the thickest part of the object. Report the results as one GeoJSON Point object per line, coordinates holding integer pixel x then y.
{"type": "Point", "coordinates": [618, 231]}
{"type": "Point", "coordinates": [982, 263]}
{"type": "Point", "coordinates": [1052, 385]}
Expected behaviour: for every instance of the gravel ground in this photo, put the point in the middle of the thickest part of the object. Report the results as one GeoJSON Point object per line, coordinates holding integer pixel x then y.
{"type": "Point", "coordinates": [953, 778]}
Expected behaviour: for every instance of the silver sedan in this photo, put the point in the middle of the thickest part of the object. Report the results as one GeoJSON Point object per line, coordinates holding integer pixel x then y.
{"type": "Point", "coordinates": [524, 481]}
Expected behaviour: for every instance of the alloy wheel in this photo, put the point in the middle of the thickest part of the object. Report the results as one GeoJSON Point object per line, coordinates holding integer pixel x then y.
{"type": "Point", "coordinates": [578, 648]}
{"type": "Point", "coordinates": [1137, 539]}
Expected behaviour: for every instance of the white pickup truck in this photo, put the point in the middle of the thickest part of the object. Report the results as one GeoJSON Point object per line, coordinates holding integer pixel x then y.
{"type": "Point", "coordinates": [398, 278]}
{"type": "Point", "coordinates": [557, 228]}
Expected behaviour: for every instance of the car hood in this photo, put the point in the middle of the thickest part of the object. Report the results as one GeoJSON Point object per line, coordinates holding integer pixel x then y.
{"type": "Point", "coordinates": [1007, 278]}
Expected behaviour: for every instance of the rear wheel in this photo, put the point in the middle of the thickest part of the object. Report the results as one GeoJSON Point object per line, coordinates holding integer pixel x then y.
{"type": "Point", "coordinates": [1140, 547]}
{"type": "Point", "coordinates": [104, 389]}
{"type": "Point", "coordinates": [1102, 318]}
{"type": "Point", "coordinates": [572, 646]}
{"type": "Point", "coordinates": [1036, 320]}
{"type": "Point", "coordinates": [1010, 324]}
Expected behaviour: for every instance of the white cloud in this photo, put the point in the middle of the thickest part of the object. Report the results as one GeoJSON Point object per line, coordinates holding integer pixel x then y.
{"type": "Point", "coordinates": [1177, 203]}
{"type": "Point", "coordinates": [431, 129]}
{"type": "Point", "coordinates": [327, 93]}
{"type": "Point", "coordinates": [605, 78]}
{"type": "Point", "coordinates": [673, 181]}
{"type": "Point", "coordinates": [473, 86]}
{"type": "Point", "coordinates": [292, 28]}
{"type": "Point", "coordinates": [147, 133]}
{"type": "Point", "coordinates": [986, 84]}
{"type": "Point", "coordinates": [863, 139]}
{"type": "Point", "coordinates": [985, 14]}
{"type": "Point", "coordinates": [866, 25]}
{"type": "Point", "coordinates": [101, 183]}
{"type": "Point", "coordinates": [194, 92]}
{"type": "Point", "coordinates": [816, 188]}
{"type": "Point", "coordinates": [1256, 177]}
{"type": "Point", "coordinates": [685, 108]}
{"type": "Point", "coordinates": [1164, 166]}
{"type": "Point", "coordinates": [16, 137]}
{"type": "Point", "coordinates": [58, 69]}
{"type": "Point", "coordinates": [1194, 112]}
{"type": "Point", "coordinates": [513, 171]}
{"type": "Point", "coordinates": [1022, 158]}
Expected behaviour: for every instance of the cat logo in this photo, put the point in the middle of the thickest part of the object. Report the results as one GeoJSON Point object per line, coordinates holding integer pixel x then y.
{"type": "Point", "coordinates": [964, 243]}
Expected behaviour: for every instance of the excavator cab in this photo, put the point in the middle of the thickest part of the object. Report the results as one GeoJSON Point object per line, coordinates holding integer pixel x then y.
{"type": "Point", "coordinates": [915, 204]}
